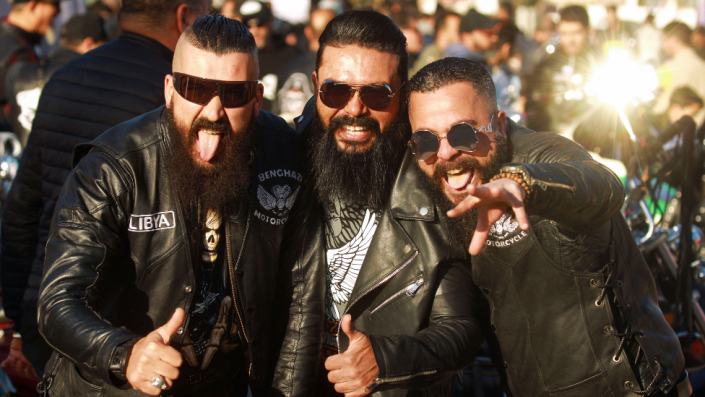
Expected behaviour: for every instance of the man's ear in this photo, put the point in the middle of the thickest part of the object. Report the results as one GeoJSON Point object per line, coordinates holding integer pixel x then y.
{"type": "Point", "coordinates": [183, 17]}
{"type": "Point", "coordinates": [314, 76]}
{"type": "Point", "coordinates": [168, 89]}
{"type": "Point", "coordinates": [502, 123]}
{"type": "Point", "coordinates": [259, 97]}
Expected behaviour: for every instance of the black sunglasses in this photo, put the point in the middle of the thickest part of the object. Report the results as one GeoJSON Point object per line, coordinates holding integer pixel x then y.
{"type": "Point", "coordinates": [462, 136]}
{"type": "Point", "coordinates": [233, 94]}
{"type": "Point", "coordinates": [376, 97]}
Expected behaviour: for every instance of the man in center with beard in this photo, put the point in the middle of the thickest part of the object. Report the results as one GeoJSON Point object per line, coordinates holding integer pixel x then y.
{"type": "Point", "coordinates": [389, 298]}
{"type": "Point", "coordinates": [164, 242]}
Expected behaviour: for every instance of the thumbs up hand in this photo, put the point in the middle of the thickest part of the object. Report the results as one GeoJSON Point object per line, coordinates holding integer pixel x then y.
{"type": "Point", "coordinates": [354, 370]}
{"type": "Point", "coordinates": [153, 356]}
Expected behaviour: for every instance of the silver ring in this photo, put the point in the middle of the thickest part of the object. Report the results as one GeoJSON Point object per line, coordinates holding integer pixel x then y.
{"type": "Point", "coordinates": [158, 381]}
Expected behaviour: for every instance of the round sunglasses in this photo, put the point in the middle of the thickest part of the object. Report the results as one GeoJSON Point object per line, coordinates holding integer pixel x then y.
{"type": "Point", "coordinates": [376, 97]}
{"type": "Point", "coordinates": [232, 94]}
{"type": "Point", "coordinates": [462, 136]}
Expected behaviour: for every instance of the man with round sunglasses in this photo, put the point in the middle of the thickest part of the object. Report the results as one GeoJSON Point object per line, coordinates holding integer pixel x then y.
{"type": "Point", "coordinates": [162, 262]}
{"type": "Point", "coordinates": [569, 303]}
{"type": "Point", "coordinates": [388, 296]}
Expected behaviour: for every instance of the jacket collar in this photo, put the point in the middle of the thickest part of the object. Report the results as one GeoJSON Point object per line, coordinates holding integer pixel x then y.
{"type": "Point", "coordinates": [158, 47]}
{"type": "Point", "coordinates": [409, 199]}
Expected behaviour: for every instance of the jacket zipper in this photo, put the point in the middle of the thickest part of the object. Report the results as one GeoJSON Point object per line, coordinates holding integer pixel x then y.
{"type": "Point", "coordinates": [384, 280]}
{"type": "Point", "coordinates": [379, 381]}
{"type": "Point", "coordinates": [410, 290]}
{"type": "Point", "coordinates": [232, 285]}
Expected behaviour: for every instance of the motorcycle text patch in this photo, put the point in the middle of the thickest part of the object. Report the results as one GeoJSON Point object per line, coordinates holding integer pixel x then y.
{"type": "Point", "coordinates": [150, 223]}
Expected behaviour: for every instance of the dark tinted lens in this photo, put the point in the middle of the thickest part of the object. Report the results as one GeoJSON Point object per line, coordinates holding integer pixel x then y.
{"type": "Point", "coordinates": [462, 137]}
{"type": "Point", "coordinates": [375, 97]}
{"type": "Point", "coordinates": [424, 144]}
{"type": "Point", "coordinates": [196, 90]}
{"type": "Point", "coordinates": [335, 95]}
{"type": "Point", "coordinates": [235, 95]}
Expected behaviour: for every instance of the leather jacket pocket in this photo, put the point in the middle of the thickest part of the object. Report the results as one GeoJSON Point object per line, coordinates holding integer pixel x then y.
{"type": "Point", "coordinates": [593, 386]}
{"type": "Point", "coordinates": [410, 291]}
{"type": "Point", "coordinates": [68, 382]}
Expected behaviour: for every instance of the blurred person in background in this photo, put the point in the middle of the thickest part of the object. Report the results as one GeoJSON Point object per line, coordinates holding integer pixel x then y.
{"type": "Point", "coordinates": [295, 80]}
{"type": "Point", "coordinates": [414, 41]}
{"type": "Point", "coordinates": [543, 43]}
{"type": "Point", "coordinates": [616, 30]}
{"type": "Point", "coordinates": [697, 41]}
{"type": "Point", "coordinates": [230, 10]}
{"type": "Point", "coordinates": [108, 10]}
{"type": "Point", "coordinates": [649, 41]}
{"type": "Point", "coordinates": [24, 82]}
{"type": "Point", "coordinates": [555, 94]}
{"type": "Point", "coordinates": [20, 32]}
{"type": "Point", "coordinates": [447, 33]}
{"type": "Point", "coordinates": [478, 35]}
{"type": "Point", "coordinates": [506, 65]}
{"type": "Point", "coordinates": [505, 12]}
{"type": "Point", "coordinates": [95, 91]}
{"type": "Point", "coordinates": [683, 68]}
{"type": "Point", "coordinates": [273, 54]}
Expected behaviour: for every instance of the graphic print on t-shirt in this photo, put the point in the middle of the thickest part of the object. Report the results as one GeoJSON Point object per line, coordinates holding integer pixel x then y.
{"type": "Point", "coordinates": [353, 227]}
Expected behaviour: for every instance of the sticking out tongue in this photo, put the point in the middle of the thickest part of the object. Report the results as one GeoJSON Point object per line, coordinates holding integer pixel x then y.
{"type": "Point", "coordinates": [458, 181]}
{"type": "Point", "coordinates": [207, 145]}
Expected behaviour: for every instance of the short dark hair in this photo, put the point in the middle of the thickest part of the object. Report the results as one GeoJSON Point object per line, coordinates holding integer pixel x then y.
{"type": "Point", "coordinates": [441, 19]}
{"type": "Point", "coordinates": [367, 29]}
{"type": "Point", "coordinates": [221, 35]}
{"type": "Point", "coordinates": [155, 13]}
{"type": "Point", "coordinates": [685, 96]}
{"type": "Point", "coordinates": [679, 30]}
{"type": "Point", "coordinates": [449, 71]}
{"type": "Point", "coordinates": [575, 14]}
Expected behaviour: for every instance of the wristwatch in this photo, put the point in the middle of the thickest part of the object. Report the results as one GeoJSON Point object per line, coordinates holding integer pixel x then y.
{"type": "Point", "coordinates": [119, 359]}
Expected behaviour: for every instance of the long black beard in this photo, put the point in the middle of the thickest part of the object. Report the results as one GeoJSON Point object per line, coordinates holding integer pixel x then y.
{"type": "Point", "coordinates": [462, 228]}
{"type": "Point", "coordinates": [359, 177]}
{"type": "Point", "coordinates": [220, 187]}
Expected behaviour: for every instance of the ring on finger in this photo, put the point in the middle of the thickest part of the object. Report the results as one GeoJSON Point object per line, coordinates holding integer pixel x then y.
{"type": "Point", "coordinates": [158, 381]}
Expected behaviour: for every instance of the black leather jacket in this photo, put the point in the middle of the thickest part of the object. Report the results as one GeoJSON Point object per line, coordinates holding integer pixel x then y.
{"type": "Point", "coordinates": [419, 340]}
{"type": "Point", "coordinates": [572, 304]}
{"type": "Point", "coordinates": [106, 284]}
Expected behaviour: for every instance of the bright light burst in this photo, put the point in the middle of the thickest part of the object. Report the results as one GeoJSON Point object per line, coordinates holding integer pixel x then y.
{"type": "Point", "coordinates": [621, 80]}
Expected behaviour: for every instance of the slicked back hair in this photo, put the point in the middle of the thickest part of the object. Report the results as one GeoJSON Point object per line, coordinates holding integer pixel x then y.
{"type": "Point", "coordinates": [367, 29]}
{"type": "Point", "coordinates": [449, 71]}
{"type": "Point", "coordinates": [221, 35]}
{"type": "Point", "coordinates": [156, 13]}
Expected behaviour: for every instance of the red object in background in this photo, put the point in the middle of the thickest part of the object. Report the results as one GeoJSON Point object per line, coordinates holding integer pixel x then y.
{"type": "Point", "coordinates": [25, 387]}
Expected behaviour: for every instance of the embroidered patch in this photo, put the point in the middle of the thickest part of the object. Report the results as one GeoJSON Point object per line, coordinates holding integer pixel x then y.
{"type": "Point", "coordinates": [152, 222]}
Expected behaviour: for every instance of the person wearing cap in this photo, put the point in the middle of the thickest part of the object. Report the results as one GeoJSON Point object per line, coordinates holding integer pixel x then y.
{"type": "Point", "coordinates": [23, 29]}
{"type": "Point", "coordinates": [24, 82]}
{"type": "Point", "coordinates": [273, 53]}
{"type": "Point", "coordinates": [478, 33]}
{"type": "Point", "coordinates": [95, 91]}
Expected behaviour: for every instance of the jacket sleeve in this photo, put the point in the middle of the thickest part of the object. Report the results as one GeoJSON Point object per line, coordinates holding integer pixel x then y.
{"type": "Point", "coordinates": [568, 186]}
{"type": "Point", "coordinates": [446, 346]}
{"type": "Point", "coordinates": [20, 221]}
{"type": "Point", "coordinates": [84, 247]}
{"type": "Point", "coordinates": [298, 322]}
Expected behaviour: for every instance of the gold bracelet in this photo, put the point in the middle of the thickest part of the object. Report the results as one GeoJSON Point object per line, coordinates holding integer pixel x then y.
{"type": "Point", "coordinates": [518, 178]}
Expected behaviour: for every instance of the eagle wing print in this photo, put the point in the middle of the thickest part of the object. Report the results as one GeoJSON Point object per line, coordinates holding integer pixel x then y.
{"type": "Point", "coordinates": [345, 262]}
{"type": "Point", "coordinates": [267, 200]}
{"type": "Point", "coordinates": [290, 200]}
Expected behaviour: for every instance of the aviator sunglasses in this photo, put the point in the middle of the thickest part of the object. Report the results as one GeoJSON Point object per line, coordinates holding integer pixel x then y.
{"type": "Point", "coordinates": [233, 94]}
{"type": "Point", "coordinates": [462, 136]}
{"type": "Point", "coordinates": [376, 97]}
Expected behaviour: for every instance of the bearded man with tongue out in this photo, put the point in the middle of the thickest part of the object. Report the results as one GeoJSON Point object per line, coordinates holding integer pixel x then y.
{"type": "Point", "coordinates": [394, 310]}
{"type": "Point", "coordinates": [569, 304]}
{"type": "Point", "coordinates": [162, 263]}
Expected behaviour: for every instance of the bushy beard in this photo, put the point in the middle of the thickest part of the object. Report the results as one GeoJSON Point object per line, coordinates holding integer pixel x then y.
{"type": "Point", "coordinates": [362, 177]}
{"type": "Point", "coordinates": [462, 228]}
{"type": "Point", "coordinates": [220, 187]}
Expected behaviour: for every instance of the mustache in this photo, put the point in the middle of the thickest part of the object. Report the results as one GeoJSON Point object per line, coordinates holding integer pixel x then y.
{"type": "Point", "coordinates": [365, 122]}
{"type": "Point", "coordinates": [461, 163]}
{"type": "Point", "coordinates": [220, 126]}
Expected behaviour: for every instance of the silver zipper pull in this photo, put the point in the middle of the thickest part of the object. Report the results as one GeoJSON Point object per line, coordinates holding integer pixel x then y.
{"type": "Point", "coordinates": [411, 290]}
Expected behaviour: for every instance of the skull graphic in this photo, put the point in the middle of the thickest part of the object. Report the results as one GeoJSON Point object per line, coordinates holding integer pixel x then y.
{"type": "Point", "coordinates": [212, 237]}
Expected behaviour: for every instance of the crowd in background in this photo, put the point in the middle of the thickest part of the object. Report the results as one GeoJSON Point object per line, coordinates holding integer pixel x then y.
{"type": "Point", "coordinates": [539, 77]}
